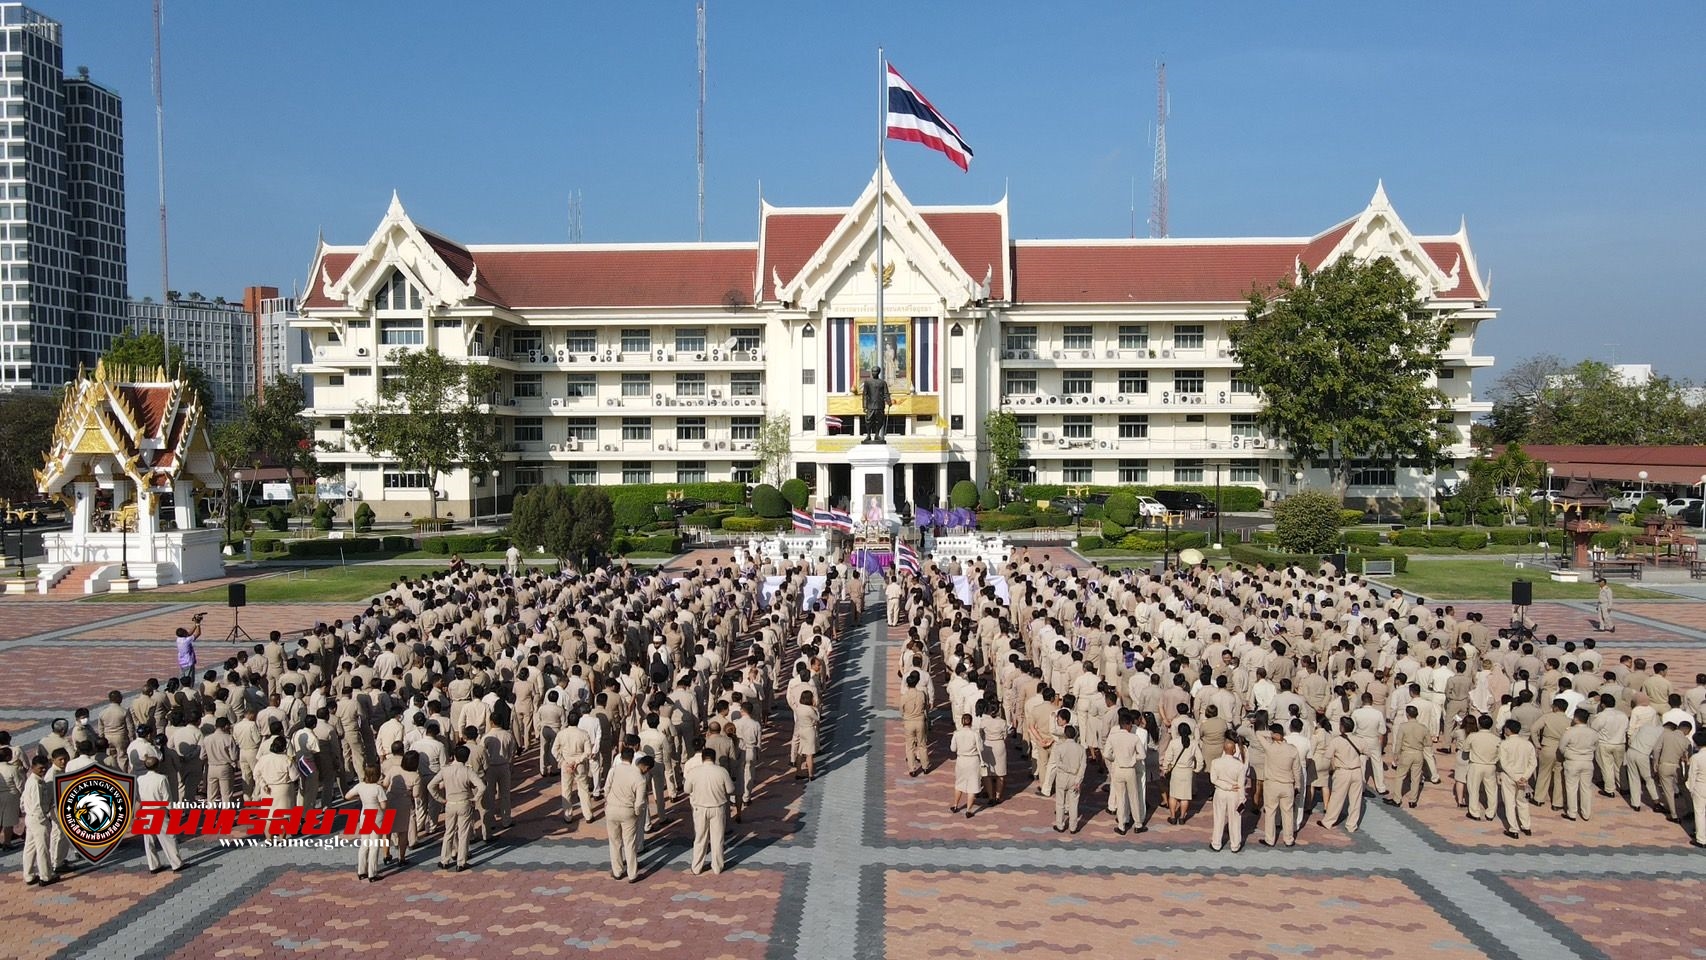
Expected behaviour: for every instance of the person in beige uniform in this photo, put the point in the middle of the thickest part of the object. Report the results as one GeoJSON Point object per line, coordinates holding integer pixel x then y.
{"type": "Point", "coordinates": [1227, 773]}
{"type": "Point", "coordinates": [624, 799]}
{"type": "Point", "coordinates": [913, 714]}
{"type": "Point", "coordinates": [709, 791]}
{"type": "Point", "coordinates": [1068, 760]}
{"type": "Point", "coordinates": [1517, 764]}
{"type": "Point", "coordinates": [1483, 749]}
{"type": "Point", "coordinates": [1412, 747]}
{"type": "Point", "coordinates": [1344, 780]}
{"type": "Point", "coordinates": [1697, 787]}
{"type": "Point", "coordinates": [1547, 734]}
{"type": "Point", "coordinates": [457, 789]}
{"type": "Point", "coordinates": [1577, 749]}
{"type": "Point", "coordinates": [220, 751]}
{"type": "Point", "coordinates": [276, 776]}
{"type": "Point", "coordinates": [573, 750]}
{"type": "Point", "coordinates": [37, 807]}
{"type": "Point", "coordinates": [1124, 752]}
{"type": "Point", "coordinates": [1284, 769]}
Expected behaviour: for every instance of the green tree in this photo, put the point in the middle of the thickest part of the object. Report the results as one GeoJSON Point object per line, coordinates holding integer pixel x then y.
{"type": "Point", "coordinates": [1307, 522]}
{"type": "Point", "coordinates": [594, 522]}
{"type": "Point", "coordinates": [573, 524]}
{"type": "Point", "coordinates": [1513, 474]}
{"type": "Point", "coordinates": [145, 352]}
{"type": "Point", "coordinates": [1592, 403]}
{"type": "Point", "coordinates": [26, 431]}
{"type": "Point", "coordinates": [1517, 396]}
{"type": "Point", "coordinates": [432, 416]}
{"type": "Point", "coordinates": [963, 494]}
{"type": "Point", "coordinates": [1345, 357]}
{"type": "Point", "coordinates": [774, 448]}
{"type": "Point", "coordinates": [768, 502]}
{"type": "Point", "coordinates": [1006, 447]}
{"type": "Point", "coordinates": [797, 493]}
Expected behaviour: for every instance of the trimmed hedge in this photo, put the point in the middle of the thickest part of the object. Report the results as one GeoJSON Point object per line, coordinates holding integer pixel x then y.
{"type": "Point", "coordinates": [1155, 542]}
{"type": "Point", "coordinates": [963, 495]}
{"type": "Point", "coordinates": [632, 503]}
{"type": "Point", "coordinates": [755, 524]}
{"type": "Point", "coordinates": [1112, 530]}
{"type": "Point", "coordinates": [998, 522]}
{"type": "Point", "coordinates": [1400, 559]}
{"type": "Point", "coordinates": [300, 549]}
{"type": "Point", "coordinates": [1362, 538]}
{"type": "Point", "coordinates": [1246, 554]}
{"type": "Point", "coordinates": [396, 544]}
{"type": "Point", "coordinates": [1052, 518]}
{"type": "Point", "coordinates": [465, 543]}
{"type": "Point", "coordinates": [1090, 542]}
{"type": "Point", "coordinates": [1237, 499]}
{"type": "Point", "coordinates": [796, 492]}
{"type": "Point", "coordinates": [767, 501]}
{"type": "Point", "coordinates": [663, 543]}
{"type": "Point", "coordinates": [987, 499]}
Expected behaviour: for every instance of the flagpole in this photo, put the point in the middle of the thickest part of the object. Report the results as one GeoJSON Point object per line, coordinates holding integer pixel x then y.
{"type": "Point", "coordinates": [882, 189]}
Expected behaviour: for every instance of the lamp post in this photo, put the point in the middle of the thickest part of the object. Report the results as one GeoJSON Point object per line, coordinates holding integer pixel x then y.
{"type": "Point", "coordinates": [1702, 510]}
{"type": "Point", "coordinates": [494, 498]}
{"type": "Point", "coordinates": [1643, 476]}
{"type": "Point", "coordinates": [124, 550]}
{"type": "Point", "coordinates": [1217, 505]}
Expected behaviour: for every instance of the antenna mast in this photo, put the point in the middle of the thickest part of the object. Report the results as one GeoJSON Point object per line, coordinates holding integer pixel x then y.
{"type": "Point", "coordinates": [1158, 179]}
{"type": "Point", "coordinates": [701, 139]}
{"type": "Point", "coordinates": [575, 217]}
{"type": "Point", "coordinates": [160, 162]}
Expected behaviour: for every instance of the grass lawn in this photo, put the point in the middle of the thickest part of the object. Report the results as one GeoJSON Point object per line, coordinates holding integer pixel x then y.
{"type": "Point", "coordinates": [1488, 580]}
{"type": "Point", "coordinates": [327, 584]}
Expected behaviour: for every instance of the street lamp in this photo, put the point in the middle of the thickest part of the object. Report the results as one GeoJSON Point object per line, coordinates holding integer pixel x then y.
{"type": "Point", "coordinates": [1643, 476]}
{"type": "Point", "coordinates": [1702, 514]}
{"type": "Point", "coordinates": [1217, 505]}
{"type": "Point", "coordinates": [494, 497]}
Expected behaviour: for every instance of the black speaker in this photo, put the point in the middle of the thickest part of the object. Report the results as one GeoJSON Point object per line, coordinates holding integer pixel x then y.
{"type": "Point", "coordinates": [1337, 560]}
{"type": "Point", "coordinates": [1522, 593]}
{"type": "Point", "coordinates": [237, 595]}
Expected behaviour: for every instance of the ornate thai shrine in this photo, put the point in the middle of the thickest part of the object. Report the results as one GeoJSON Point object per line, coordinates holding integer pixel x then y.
{"type": "Point", "coordinates": [131, 455]}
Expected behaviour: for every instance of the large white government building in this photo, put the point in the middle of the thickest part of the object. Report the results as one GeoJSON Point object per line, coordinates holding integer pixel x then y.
{"type": "Point", "coordinates": [657, 363]}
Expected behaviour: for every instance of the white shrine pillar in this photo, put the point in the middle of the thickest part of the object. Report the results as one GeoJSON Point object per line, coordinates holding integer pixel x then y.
{"type": "Point", "coordinates": [83, 509]}
{"type": "Point", "coordinates": [183, 504]}
{"type": "Point", "coordinates": [873, 476]}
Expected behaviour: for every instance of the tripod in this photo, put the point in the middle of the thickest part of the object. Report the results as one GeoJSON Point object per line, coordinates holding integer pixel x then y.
{"type": "Point", "coordinates": [237, 632]}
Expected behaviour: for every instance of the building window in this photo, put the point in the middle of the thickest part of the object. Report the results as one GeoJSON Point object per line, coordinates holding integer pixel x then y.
{"type": "Point", "coordinates": [353, 325]}
{"type": "Point", "coordinates": [636, 385]}
{"type": "Point", "coordinates": [580, 340]}
{"type": "Point", "coordinates": [335, 380]}
{"type": "Point", "coordinates": [1027, 427]}
{"type": "Point", "coordinates": [1187, 336]}
{"type": "Point", "coordinates": [1076, 427]}
{"type": "Point", "coordinates": [522, 343]}
{"type": "Point", "coordinates": [581, 386]}
{"type": "Point", "coordinates": [527, 477]}
{"type": "Point", "coordinates": [1134, 381]}
{"type": "Point", "coordinates": [690, 428]}
{"type": "Point", "coordinates": [584, 429]}
{"type": "Point", "coordinates": [1187, 471]}
{"type": "Point", "coordinates": [1075, 471]}
{"type": "Point", "coordinates": [529, 430]}
{"type": "Point", "coordinates": [748, 338]}
{"type": "Point", "coordinates": [1373, 473]}
{"type": "Point", "coordinates": [745, 384]}
{"type": "Point", "coordinates": [1134, 336]}
{"type": "Point", "coordinates": [1022, 338]}
{"type": "Point", "coordinates": [1134, 427]}
{"type": "Point", "coordinates": [335, 423]}
{"type": "Point", "coordinates": [1076, 338]}
{"type": "Point", "coordinates": [956, 374]}
{"type": "Point", "coordinates": [743, 428]}
{"type": "Point", "coordinates": [1195, 418]}
{"type": "Point", "coordinates": [636, 471]}
{"type": "Point", "coordinates": [1445, 373]}
{"type": "Point", "coordinates": [1241, 386]}
{"type": "Point", "coordinates": [1020, 383]}
{"type": "Point", "coordinates": [689, 340]}
{"type": "Point", "coordinates": [636, 340]}
{"type": "Point", "coordinates": [527, 386]}
{"type": "Point", "coordinates": [1245, 472]}
{"type": "Point", "coordinates": [689, 384]}
{"type": "Point", "coordinates": [1134, 471]}
{"type": "Point", "coordinates": [398, 480]}
{"type": "Point", "coordinates": [1075, 383]}
{"type": "Point", "coordinates": [401, 333]}
{"type": "Point", "coordinates": [1244, 425]}
{"type": "Point", "coordinates": [397, 294]}
{"type": "Point", "coordinates": [1187, 381]}
{"type": "Point", "coordinates": [690, 471]}
{"type": "Point", "coordinates": [390, 378]}
{"type": "Point", "coordinates": [808, 423]}
{"type": "Point", "coordinates": [637, 428]}
{"type": "Point", "coordinates": [808, 376]}
{"type": "Point", "coordinates": [581, 475]}
{"type": "Point", "coordinates": [744, 473]}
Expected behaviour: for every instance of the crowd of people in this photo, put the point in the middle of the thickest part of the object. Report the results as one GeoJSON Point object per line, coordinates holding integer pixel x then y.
{"type": "Point", "coordinates": [646, 692]}
{"type": "Point", "coordinates": [1288, 692]}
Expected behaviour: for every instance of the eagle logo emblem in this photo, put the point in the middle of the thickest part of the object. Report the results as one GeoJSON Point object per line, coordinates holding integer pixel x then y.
{"type": "Point", "coordinates": [95, 806]}
{"type": "Point", "coordinates": [887, 275]}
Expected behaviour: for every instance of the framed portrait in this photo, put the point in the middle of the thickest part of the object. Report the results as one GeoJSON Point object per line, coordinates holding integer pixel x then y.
{"type": "Point", "coordinates": [895, 352]}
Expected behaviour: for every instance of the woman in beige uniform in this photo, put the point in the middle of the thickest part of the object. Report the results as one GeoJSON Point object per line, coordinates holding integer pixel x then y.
{"type": "Point", "coordinates": [1180, 765]}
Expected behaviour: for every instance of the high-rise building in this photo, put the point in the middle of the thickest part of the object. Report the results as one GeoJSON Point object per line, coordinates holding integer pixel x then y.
{"type": "Point", "coordinates": [217, 337]}
{"type": "Point", "coordinates": [63, 279]}
{"type": "Point", "coordinates": [279, 347]}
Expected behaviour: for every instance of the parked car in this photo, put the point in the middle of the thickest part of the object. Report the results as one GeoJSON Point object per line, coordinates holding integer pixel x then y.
{"type": "Point", "coordinates": [1679, 504]}
{"type": "Point", "coordinates": [1625, 501]}
{"type": "Point", "coordinates": [1185, 501]}
{"type": "Point", "coordinates": [1150, 508]}
{"type": "Point", "coordinates": [1690, 515]}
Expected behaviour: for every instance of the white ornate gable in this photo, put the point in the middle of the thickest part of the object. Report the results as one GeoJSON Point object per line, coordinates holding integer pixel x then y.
{"type": "Point", "coordinates": [847, 246]}
{"type": "Point", "coordinates": [399, 245]}
{"type": "Point", "coordinates": [1378, 232]}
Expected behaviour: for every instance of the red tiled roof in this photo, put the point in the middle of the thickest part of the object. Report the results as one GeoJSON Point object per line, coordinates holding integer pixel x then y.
{"type": "Point", "coordinates": [1681, 465]}
{"type": "Point", "coordinates": [1148, 273]}
{"type": "Point", "coordinates": [1316, 250]}
{"type": "Point", "coordinates": [619, 278]}
{"type": "Point", "coordinates": [1446, 253]}
{"type": "Point", "coordinates": [331, 265]}
{"type": "Point", "coordinates": [790, 239]}
{"type": "Point", "coordinates": [974, 238]}
{"type": "Point", "coordinates": [149, 406]}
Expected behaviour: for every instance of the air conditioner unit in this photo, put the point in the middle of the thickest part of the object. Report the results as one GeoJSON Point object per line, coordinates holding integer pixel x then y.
{"type": "Point", "coordinates": [1064, 444]}
{"type": "Point", "coordinates": [610, 402]}
{"type": "Point", "coordinates": [716, 394]}
{"type": "Point", "coordinates": [716, 354]}
{"type": "Point", "coordinates": [660, 355]}
{"type": "Point", "coordinates": [1166, 354]}
{"type": "Point", "coordinates": [1103, 444]}
{"type": "Point", "coordinates": [1084, 354]}
{"type": "Point", "coordinates": [562, 355]}
{"type": "Point", "coordinates": [1083, 399]}
{"type": "Point", "coordinates": [698, 356]}
{"type": "Point", "coordinates": [532, 356]}
{"type": "Point", "coordinates": [610, 448]}
{"type": "Point", "coordinates": [1120, 399]}
{"type": "Point", "coordinates": [1236, 443]}
{"type": "Point", "coordinates": [1197, 399]}
{"type": "Point", "coordinates": [1101, 399]}
{"type": "Point", "coordinates": [1048, 436]}
{"type": "Point", "coordinates": [1007, 354]}
{"type": "Point", "coordinates": [610, 355]}
{"type": "Point", "coordinates": [1166, 397]}
{"type": "Point", "coordinates": [361, 351]}
{"type": "Point", "coordinates": [722, 444]}
{"type": "Point", "coordinates": [1258, 444]}
{"type": "Point", "coordinates": [1057, 354]}
{"type": "Point", "coordinates": [1111, 354]}
{"type": "Point", "coordinates": [1053, 399]}
{"type": "Point", "coordinates": [1214, 444]}
{"type": "Point", "coordinates": [1224, 353]}
{"type": "Point", "coordinates": [556, 448]}
{"type": "Point", "coordinates": [557, 403]}
{"type": "Point", "coordinates": [658, 397]}
{"type": "Point", "coordinates": [572, 446]}
{"type": "Point", "coordinates": [320, 352]}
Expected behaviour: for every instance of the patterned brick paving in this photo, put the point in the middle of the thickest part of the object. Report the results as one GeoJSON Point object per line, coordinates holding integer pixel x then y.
{"type": "Point", "coordinates": [19, 620]}
{"type": "Point", "coordinates": [1691, 615]}
{"type": "Point", "coordinates": [71, 675]}
{"type": "Point", "coordinates": [39, 922]}
{"type": "Point", "coordinates": [1208, 915]}
{"type": "Point", "coordinates": [493, 913]}
{"type": "Point", "coordinates": [1626, 917]}
{"type": "Point", "coordinates": [257, 619]}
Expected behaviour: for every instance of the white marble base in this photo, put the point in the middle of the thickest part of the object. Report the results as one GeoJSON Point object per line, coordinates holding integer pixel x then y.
{"type": "Point", "coordinates": [873, 476]}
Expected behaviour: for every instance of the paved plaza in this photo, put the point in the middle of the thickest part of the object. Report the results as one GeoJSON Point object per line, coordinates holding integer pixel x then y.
{"type": "Point", "coordinates": [865, 861]}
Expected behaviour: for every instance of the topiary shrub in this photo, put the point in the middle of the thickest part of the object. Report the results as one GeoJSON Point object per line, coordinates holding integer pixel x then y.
{"type": "Point", "coordinates": [1362, 538]}
{"type": "Point", "coordinates": [768, 502]}
{"type": "Point", "coordinates": [1112, 530]}
{"type": "Point", "coordinates": [998, 522]}
{"type": "Point", "coordinates": [754, 524]}
{"type": "Point", "coordinates": [988, 499]}
{"type": "Point", "coordinates": [277, 518]}
{"type": "Point", "coordinates": [1412, 538]}
{"type": "Point", "coordinates": [1350, 518]}
{"type": "Point", "coordinates": [363, 518]}
{"type": "Point", "coordinates": [964, 495]}
{"type": "Point", "coordinates": [1090, 542]}
{"type": "Point", "coordinates": [1307, 522]}
{"type": "Point", "coordinates": [796, 492]}
{"type": "Point", "coordinates": [323, 516]}
{"type": "Point", "coordinates": [1471, 541]}
{"type": "Point", "coordinates": [1020, 508]}
{"type": "Point", "coordinates": [1121, 508]}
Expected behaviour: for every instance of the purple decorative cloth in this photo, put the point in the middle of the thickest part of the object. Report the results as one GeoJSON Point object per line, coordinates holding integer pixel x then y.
{"type": "Point", "coordinates": [875, 561]}
{"type": "Point", "coordinates": [922, 517]}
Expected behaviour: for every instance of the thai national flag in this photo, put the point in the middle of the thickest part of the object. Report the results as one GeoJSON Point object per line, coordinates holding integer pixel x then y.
{"type": "Point", "coordinates": [912, 118]}
{"type": "Point", "coordinates": [832, 422]}
{"type": "Point", "coordinates": [802, 520]}
{"type": "Point", "coordinates": [907, 558]}
{"type": "Point", "coordinates": [824, 518]}
{"type": "Point", "coordinates": [842, 520]}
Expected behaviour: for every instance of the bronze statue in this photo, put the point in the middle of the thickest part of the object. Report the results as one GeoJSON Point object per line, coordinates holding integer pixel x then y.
{"type": "Point", "coordinates": [876, 396]}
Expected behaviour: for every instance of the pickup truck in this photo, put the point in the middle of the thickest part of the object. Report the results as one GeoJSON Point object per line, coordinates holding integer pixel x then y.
{"type": "Point", "coordinates": [1625, 501]}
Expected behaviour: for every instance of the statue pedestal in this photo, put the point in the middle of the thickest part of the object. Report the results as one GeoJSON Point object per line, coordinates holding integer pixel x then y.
{"type": "Point", "coordinates": [873, 476]}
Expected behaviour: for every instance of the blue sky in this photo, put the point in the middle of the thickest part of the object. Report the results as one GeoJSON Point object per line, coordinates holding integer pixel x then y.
{"type": "Point", "coordinates": [1571, 136]}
